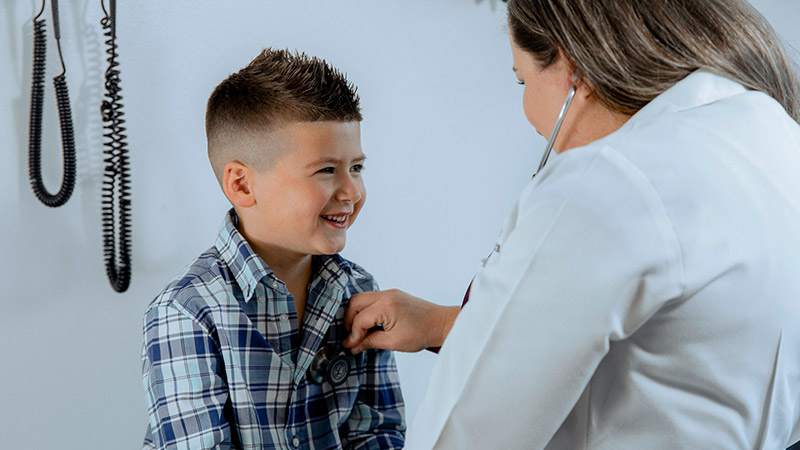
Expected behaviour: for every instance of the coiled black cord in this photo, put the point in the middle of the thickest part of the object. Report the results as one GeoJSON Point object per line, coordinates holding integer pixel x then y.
{"type": "Point", "coordinates": [64, 116]}
{"type": "Point", "coordinates": [116, 202]}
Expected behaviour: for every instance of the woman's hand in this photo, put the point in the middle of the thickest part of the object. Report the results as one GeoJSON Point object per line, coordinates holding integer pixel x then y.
{"type": "Point", "coordinates": [409, 324]}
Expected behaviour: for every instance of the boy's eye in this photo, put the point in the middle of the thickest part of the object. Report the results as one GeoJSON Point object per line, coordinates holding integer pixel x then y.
{"type": "Point", "coordinates": [520, 82]}
{"type": "Point", "coordinates": [326, 170]}
{"type": "Point", "coordinates": [357, 168]}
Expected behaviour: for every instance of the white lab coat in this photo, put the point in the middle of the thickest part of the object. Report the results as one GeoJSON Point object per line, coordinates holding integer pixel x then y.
{"type": "Point", "coordinates": [645, 295]}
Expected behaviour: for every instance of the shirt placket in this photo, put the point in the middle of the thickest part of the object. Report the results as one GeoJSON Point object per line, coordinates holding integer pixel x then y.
{"type": "Point", "coordinates": [321, 309]}
{"type": "Point", "coordinates": [283, 334]}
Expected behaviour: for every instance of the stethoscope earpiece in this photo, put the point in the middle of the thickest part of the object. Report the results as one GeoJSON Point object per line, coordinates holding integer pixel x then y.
{"type": "Point", "coordinates": [331, 364]}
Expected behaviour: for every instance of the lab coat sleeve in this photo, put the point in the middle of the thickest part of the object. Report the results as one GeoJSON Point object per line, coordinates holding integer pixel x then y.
{"type": "Point", "coordinates": [591, 257]}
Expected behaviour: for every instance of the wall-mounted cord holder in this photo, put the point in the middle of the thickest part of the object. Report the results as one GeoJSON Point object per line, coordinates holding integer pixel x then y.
{"type": "Point", "coordinates": [116, 197]}
{"type": "Point", "coordinates": [37, 108]}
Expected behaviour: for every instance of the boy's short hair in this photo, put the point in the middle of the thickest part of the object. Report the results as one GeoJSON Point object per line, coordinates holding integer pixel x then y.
{"type": "Point", "coordinates": [275, 88]}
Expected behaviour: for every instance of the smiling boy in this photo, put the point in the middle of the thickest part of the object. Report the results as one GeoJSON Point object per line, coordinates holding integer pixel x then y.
{"type": "Point", "coordinates": [232, 346]}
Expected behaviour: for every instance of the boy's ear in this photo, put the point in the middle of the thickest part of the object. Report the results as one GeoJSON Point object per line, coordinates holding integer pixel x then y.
{"type": "Point", "coordinates": [237, 183]}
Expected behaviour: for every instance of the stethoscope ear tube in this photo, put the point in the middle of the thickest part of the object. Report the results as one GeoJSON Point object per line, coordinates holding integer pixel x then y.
{"type": "Point", "coordinates": [556, 128]}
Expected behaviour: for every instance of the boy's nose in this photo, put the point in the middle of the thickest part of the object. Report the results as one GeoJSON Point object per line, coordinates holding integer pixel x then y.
{"type": "Point", "coordinates": [349, 191]}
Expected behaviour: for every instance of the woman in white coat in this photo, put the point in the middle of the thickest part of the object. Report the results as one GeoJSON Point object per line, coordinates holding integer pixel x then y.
{"type": "Point", "coordinates": [645, 291]}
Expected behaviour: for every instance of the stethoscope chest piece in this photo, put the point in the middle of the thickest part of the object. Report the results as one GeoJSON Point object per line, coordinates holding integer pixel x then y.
{"type": "Point", "coordinates": [331, 364]}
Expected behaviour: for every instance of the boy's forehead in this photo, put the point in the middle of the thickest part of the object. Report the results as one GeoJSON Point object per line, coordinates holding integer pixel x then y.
{"type": "Point", "coordinates": [324, 141]}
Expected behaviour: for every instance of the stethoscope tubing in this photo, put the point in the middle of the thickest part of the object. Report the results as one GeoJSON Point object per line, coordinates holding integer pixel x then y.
{"type": "Point", "coordinates": [556, 128]}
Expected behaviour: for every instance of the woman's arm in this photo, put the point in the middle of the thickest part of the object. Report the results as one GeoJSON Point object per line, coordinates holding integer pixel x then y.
{"type": "Point", "coordinates": [410, 324]}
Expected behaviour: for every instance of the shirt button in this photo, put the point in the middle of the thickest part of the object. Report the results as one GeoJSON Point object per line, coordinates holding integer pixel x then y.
{"type": "Point", "coordinates": [295, 442]}
{"type": "Point", "coordinates": [283, 317]}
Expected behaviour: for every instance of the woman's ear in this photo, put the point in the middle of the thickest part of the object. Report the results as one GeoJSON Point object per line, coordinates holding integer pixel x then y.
{"type": "Point", "coordinates": [569, 72]}
{"type": "Point", "coordinates": [237, 183]}
{"type": "Point", "coordinates": [582, 87]}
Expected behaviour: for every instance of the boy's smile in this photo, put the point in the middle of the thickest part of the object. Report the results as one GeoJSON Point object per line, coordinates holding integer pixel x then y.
{"type": "Point", "coordinates": [312, 193]}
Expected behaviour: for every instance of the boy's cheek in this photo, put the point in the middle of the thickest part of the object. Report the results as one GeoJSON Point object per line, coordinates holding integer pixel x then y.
{"type": "Point", "coordinates": [358, 206]}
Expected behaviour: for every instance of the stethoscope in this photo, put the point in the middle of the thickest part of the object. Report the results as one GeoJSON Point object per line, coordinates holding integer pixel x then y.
{"type": "Point", "coordinates": [547, 150]}
{"type": "Point", "coordinates": [331, 364]}
{"type": "Point", "coordinates": [557, 126]}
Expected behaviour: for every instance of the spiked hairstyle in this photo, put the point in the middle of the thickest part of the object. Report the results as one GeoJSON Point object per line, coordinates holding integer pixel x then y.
{"type": "Point", "coordinates": [275, 88]}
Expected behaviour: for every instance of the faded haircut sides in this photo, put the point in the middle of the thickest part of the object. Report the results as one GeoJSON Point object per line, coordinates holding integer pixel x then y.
{"type": "Point", "coordinates": [275, 88]}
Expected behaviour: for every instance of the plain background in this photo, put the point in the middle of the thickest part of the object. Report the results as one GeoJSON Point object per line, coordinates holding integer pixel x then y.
{"type": "Point", "coordinates": [448, 146]}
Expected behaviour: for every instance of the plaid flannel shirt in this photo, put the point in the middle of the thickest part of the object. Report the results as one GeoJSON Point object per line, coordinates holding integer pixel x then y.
{"type": "Point", "coordinates": [224, 361]}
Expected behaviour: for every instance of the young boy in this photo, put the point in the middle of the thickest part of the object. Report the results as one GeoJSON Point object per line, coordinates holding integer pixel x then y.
{"type": "Point", "coordinates": [242, 350]}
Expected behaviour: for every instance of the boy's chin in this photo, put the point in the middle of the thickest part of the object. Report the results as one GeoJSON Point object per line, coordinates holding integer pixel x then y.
{"type": "Point", "coordinates": [330, 248]}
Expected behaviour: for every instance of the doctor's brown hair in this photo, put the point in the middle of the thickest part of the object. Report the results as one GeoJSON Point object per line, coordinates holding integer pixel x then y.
{"type": "Point", "coordinates": [275, 88]}
{"type": "Point", "coordinates": [630, 51]}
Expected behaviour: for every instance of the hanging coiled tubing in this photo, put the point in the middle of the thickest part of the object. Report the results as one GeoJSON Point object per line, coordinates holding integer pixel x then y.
{"type": "Point", "coordinates": [37, 110]}
{"type": "Point", "coordinates": [116, 190]}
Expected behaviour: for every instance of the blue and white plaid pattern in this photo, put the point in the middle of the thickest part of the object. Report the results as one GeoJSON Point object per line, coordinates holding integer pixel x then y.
{"type": "Point", "coordinates": [224, 363]}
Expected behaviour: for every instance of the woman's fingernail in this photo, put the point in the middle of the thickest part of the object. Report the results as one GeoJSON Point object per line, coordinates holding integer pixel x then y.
{"type": "Point", "coordinates": [352, 339]}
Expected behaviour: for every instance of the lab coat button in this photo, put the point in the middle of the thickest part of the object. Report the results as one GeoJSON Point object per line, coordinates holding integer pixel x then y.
{"type": "Point", "coordinates": [295, 442]}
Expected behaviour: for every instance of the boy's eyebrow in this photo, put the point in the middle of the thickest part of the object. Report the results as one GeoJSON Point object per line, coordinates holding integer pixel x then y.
{"type": "Point", "coordinates": [332, 160]}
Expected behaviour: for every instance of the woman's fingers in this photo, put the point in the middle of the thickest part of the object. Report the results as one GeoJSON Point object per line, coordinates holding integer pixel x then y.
{"type": "Point", "coordinates": [395, 320]}
{"type": "Point", "coordinates": [359, 302]}
{"type": "Point", "coordinates": [366, 315]}
{"type": "Point", "coordinates": [374, 339]}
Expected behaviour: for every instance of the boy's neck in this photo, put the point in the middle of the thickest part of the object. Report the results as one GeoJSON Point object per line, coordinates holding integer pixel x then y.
{"type": "Point", "coordinates": [294, 271]}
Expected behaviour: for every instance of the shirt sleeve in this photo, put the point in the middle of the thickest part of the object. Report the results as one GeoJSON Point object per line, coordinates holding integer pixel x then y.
{"type": "Point", "coordinates": [376, 419]}
{"type": "Point", "coordinates": [184, 383]}
{"type": "Point", "coordinates": [592, 256]}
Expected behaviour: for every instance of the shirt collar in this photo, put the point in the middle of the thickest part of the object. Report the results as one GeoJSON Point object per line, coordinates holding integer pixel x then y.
{"type": "Point", "coordinates": [332, 269]}
{"type": "Point", "coordinates": [249, 269]}
{"type": "Point", "coordinates": [698, 89]}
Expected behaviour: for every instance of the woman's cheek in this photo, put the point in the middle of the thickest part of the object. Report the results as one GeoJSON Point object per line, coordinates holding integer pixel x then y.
{"type": "Point", "coordinates": [529, 106]}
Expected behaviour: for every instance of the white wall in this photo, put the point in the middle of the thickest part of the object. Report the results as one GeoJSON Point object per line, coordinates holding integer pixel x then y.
{"type": "Point", "coordinates": [448, 150]}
